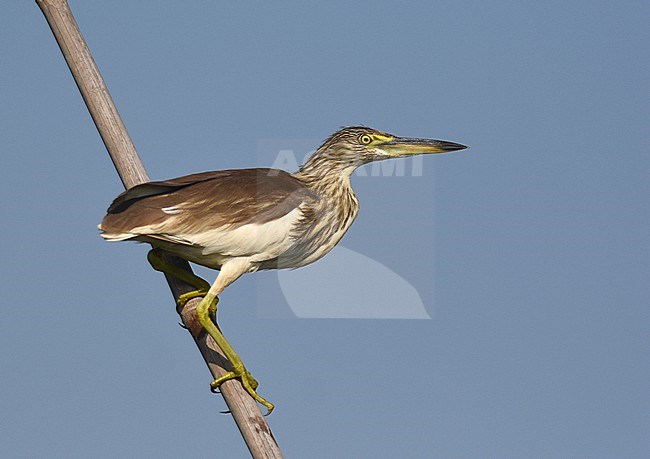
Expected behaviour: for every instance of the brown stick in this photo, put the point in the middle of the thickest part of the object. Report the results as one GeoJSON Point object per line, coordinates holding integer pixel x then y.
{"type": "Point", "coordinates": [244, 409]}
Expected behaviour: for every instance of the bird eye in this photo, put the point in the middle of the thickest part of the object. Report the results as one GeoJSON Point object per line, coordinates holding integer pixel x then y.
{"type": "Point", "coordinates": [365, 139]}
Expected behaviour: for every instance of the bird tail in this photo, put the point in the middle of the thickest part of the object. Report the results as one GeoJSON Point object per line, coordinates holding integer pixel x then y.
{"type": "Point", "coordinates": [115, 236]}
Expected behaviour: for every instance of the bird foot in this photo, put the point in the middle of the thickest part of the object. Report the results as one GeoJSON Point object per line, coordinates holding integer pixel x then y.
{"type": "Point", "coordinates": [183, 298]}
{"type": "Point", "coordinates": [248, 382]}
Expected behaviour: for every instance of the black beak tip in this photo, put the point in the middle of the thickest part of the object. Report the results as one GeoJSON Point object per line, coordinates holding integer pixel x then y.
{"type": "Point", "coordinates": [452, 146]}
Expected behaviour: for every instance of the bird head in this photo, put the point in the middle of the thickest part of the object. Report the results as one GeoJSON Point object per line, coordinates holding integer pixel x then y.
{"type": "Point", "coordinates": [354, 146]}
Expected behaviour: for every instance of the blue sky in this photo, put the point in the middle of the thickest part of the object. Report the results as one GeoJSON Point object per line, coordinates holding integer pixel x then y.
{"type": "Point", "coordinates": [529, 250]}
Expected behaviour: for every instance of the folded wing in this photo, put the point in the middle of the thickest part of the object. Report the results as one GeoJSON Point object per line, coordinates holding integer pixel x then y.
{"type": "Point", "coordinates": [203, 207]}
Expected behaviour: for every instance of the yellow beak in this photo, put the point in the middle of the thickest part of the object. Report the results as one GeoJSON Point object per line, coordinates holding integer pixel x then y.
{"type": "Point", "coordinates": [404, 146]}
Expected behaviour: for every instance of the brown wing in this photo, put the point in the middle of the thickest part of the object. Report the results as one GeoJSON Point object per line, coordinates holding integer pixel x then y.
{"type": "Point", "coordinates": [198, 202]}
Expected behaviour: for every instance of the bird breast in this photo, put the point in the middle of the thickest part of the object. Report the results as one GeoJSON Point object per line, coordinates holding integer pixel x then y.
{"type": "Point", "coordinates": [320, 226]}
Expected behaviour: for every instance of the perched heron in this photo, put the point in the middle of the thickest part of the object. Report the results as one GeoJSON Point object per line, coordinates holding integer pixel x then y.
{"type": "Point", "coordinates": [241, 221]}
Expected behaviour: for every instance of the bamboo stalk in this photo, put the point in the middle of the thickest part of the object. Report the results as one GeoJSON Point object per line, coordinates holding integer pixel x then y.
{"type": "Point", "coordinates": [245, 411]}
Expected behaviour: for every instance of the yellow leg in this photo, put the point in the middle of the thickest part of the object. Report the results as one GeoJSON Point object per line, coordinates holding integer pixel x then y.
{"type": "Point", "coordinates": [206, 312]}
{"type": "Point", "coordinates": [155, 257]}
{"type": "Point", "coordinates": [203, 311]}
{"type": "Point", "coordinates": [157, 262]}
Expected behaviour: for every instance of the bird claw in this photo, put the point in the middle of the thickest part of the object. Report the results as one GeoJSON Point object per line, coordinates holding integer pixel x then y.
{"type": "Point", "coordinates": [182, 299]}
{"type": "Point", "coordinates": [248, 382]}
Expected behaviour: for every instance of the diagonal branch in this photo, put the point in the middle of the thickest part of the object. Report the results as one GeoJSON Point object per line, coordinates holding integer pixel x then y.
{"type": "Point", "coordinates": [244, 409]}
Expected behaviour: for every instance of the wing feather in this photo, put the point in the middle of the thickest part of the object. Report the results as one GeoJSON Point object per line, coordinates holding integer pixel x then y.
{"type": "Point", "coordinates": [199, 203]}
